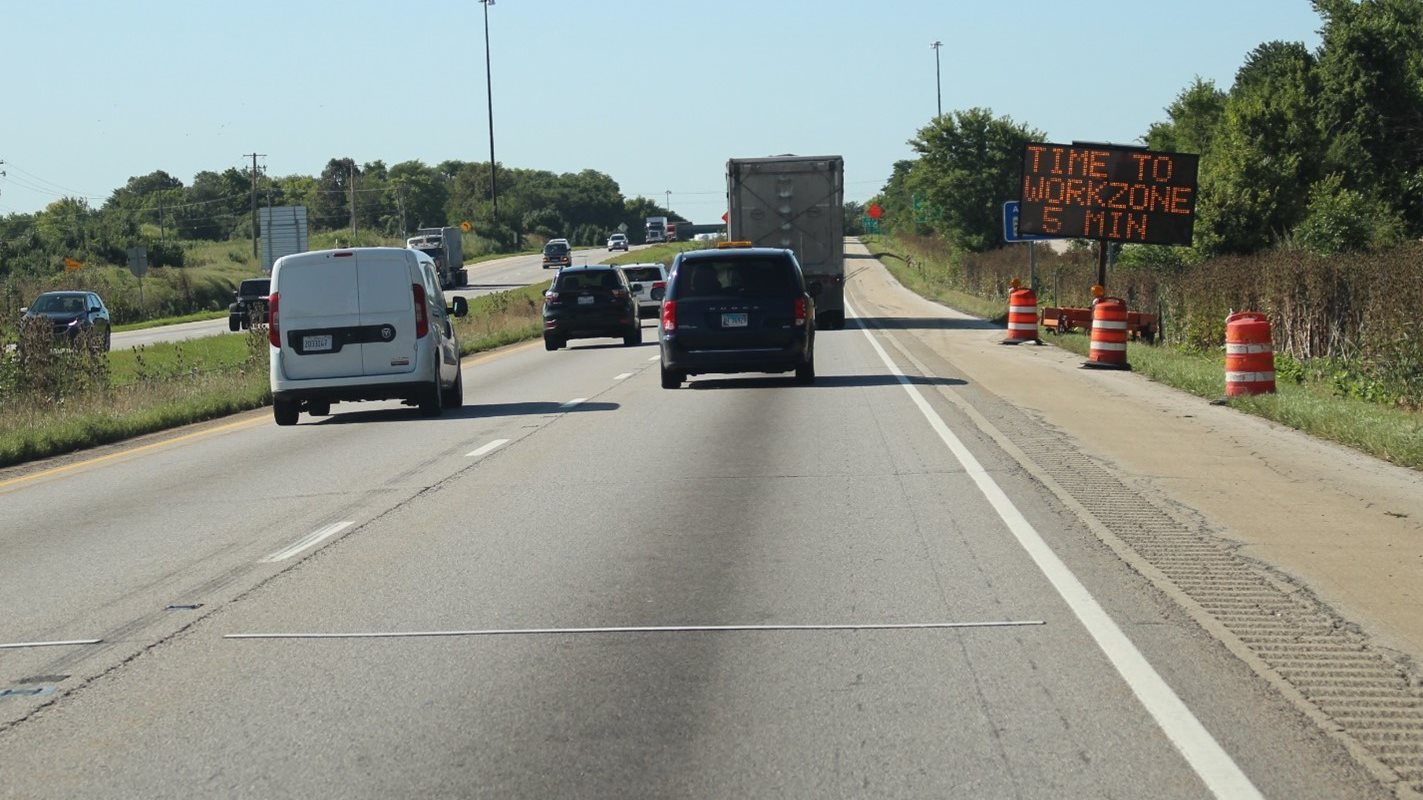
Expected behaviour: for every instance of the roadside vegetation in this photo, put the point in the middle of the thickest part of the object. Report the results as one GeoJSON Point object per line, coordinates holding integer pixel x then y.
{"type": "Point", "coordinates": [57, 400]}
{"type": "Point", "coordinates": [1348, 362]}
{"type": "Point", "coordinates": [1309, 209]}
{"type": "Point", "coordinates": [657, 253]}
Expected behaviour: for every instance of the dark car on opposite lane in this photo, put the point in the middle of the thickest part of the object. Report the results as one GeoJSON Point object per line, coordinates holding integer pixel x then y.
{"type": "Point", "coordinates": [589, 302]}
{"type": "Point", "coordinates": [737, 309]}
{"type": "Point", "coordinates": [73, 315]}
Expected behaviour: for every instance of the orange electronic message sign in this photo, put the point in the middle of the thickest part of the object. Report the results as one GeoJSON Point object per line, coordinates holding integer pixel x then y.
{"type": "Point", "coordinates": [1108, 192]}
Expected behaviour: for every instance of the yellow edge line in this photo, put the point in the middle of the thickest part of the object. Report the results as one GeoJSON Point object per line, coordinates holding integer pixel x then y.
{"type": "Point", "coordinates": [35, 476]}
{"type": "Point", "coordinates": [111, 456]}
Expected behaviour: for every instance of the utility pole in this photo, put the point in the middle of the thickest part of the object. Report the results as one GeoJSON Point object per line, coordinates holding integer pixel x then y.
{"type": "Point", "coordinates": [668, 192]}
{"type": "Point", "coordinates": [162, 233]}
{"type": "Point", "coordinates": [938, 89]}
{"type": "Point", "coordinates": [489, 93]}
{"type": "Point", "coordinates": [352, 182]}
{"type": "Point", "coordinates": [254, 157]}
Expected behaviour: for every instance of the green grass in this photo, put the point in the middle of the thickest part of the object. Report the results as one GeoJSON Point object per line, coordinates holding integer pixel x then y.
{"type": "Point", "coordinates": [177, 359]}
{"type": "Point", "coordinates": [502, 318]}
{"type": "Point", "coordinates": [198, 316]}
{"type": "Point", "coordinates": [663, 253]}
{"type": "Point", "coordinates": [1390, 433]}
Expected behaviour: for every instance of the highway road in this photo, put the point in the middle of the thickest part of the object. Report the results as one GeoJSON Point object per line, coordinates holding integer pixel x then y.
{"type": "Point", "coordinates": [485, 277]}
{"type": "Point", "coordinates": [583, 585]}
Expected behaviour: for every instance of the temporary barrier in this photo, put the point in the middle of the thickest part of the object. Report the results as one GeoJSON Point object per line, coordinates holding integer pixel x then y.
{"type": "Point", "coordinates": [1022, 317]}
{"type": "Point", "coordinates": [1109, 334]}
{"type": "Point", "coordinates": [1249, 355]}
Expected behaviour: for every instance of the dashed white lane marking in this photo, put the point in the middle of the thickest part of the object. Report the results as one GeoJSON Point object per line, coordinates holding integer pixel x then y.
{"type": "Point", "coordinates": [623, 376]}
{"type": "Point", "coordinates": [574, 402]}
{"type": "Point", "coordinates": [486, 449]}
{"type": "Point", "coordinates": [21, 645]}
{"type": "Point", "coordinates": [1211, 763]}
{"type": "Point", "coordinates": [869, 626]}
{"type": "Point", "coordinates": [310, 540]}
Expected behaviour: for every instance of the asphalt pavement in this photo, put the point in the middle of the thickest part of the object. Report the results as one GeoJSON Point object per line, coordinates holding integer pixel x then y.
{"type": "Point", "coordinates": [582, 585]}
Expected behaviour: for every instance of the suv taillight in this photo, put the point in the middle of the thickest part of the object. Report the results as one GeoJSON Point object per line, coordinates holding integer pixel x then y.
{"type": "Point", "coordinates": [800, 310]}
{"type": "Point", "coordinates": [422, 311]}
{"type": "Point", "coordinates": [274, 330]}
{"type": "Point", "coordinates": [669, 315]}
{"type": "Point", "coordinates": [659, 284]}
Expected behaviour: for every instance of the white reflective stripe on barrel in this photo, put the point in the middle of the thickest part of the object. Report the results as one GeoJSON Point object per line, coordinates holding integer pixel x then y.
{"type": "Point", "coordinates": [1247, 349]}
{"type": "Point", "coordinates": [1022, 309]}
{"type": "Point", "coordinates": [1022, 326]}
{"type": "Point", "coordinates": [1249, 377]}
{"type": "Point", "coordinates": [1109, 346]}
{"type": "Point", "coordinates": [1110, 325]}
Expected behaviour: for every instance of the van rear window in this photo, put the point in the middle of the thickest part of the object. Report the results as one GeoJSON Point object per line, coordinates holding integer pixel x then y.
{"type": "Point", "coordinates": [709, 277]}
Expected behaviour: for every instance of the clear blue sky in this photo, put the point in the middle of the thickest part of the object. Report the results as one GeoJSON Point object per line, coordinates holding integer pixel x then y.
{"type": "Point", "coordinates": [656, 94]}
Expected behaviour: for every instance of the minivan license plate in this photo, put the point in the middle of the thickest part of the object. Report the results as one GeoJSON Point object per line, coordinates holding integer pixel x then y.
{"type": "Point", "coordinates": [733, 320]}
{"type": "Point", "coordinates": [314, 344]}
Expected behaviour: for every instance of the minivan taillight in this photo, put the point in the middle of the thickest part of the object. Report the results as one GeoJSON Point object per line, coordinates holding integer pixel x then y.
{"type": "Point", "coordinates": [800, 310]}
{"type": "Point", "coordinates": [274, 330]}
{"type": "Point", "coordinates": [669, 315]}
{"type": "Point", "coordinates": [422, 311]}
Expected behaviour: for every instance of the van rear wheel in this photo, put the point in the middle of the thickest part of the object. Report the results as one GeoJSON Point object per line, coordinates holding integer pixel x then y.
{"type": "Point", "coordinates": [454, 398]}
{"type": "Point", "coordinates": [432, 400]}
{"type": "Point", "coordinates": [286, 412]}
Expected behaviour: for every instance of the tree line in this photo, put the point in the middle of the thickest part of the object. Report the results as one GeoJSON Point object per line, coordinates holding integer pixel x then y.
{"type": "Point", "coordinates": [1317, 149]}
{"type": "Point", "coordinates": [158, 211]}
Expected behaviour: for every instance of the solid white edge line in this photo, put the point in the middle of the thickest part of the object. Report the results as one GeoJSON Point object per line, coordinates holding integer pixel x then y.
{"type": "Point", "coordinates": [574, 402]}
{"type": "Point", "coordinates": [885, 626]}
{"type": "Point", "coordinates": [310, 540]}
{"type": "Point", "coordinates": [488, 448]}
{"type": "Point", "coordinates": [19, 645]}
{"type": "Point", "coordinates": [623, 376]}
{"type": "Point", "coordinates": [655, 358]}
{"type": "Point", "coordinates": [1221, 775]}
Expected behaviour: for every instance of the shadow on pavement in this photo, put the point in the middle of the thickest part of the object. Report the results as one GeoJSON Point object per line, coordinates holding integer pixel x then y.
{"type": "Point", "coordinates": [339, 416]}
{"type": "Point", "coordinates": [821, 382]}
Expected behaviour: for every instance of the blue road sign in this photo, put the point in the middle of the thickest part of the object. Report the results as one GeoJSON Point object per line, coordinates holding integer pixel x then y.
{"type": "Point", "coordinates": [1010, 226]}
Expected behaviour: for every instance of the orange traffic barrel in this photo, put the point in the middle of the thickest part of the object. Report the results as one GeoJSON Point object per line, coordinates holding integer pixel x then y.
{"type": "Point", "coordinates": [1249, 355]}
{"type": "Point", "coordinates": [1022, 317]}
{"type": "Point", "coordinates": [1109, 334]}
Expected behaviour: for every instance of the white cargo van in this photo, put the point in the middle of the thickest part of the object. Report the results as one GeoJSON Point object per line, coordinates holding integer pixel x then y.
{"type": "Point", "coordinates": [368, 323]}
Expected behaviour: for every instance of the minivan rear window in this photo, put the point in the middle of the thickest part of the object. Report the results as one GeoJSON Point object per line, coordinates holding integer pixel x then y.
{"type": "Point", "coordinates": [556, 249]}
{"type": "Point", "coordinates": [710, 277]}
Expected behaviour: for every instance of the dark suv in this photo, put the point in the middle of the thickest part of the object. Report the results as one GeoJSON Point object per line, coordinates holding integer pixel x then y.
{"type": "Point", "coordinates": [251, 303]}
{"type": "Point", "coordinates": [588, 302]}
{"type": "Point", "coordinates": [737, 309]}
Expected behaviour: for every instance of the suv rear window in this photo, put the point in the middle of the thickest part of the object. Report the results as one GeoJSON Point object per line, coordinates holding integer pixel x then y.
{"type": "Point", "coordinates": [643, 273]}
{"type": "Point", "coordinates": [709, 277]}
{"type": "Point", "coordinates": [255, 287]}
{"type": "Point", "coordinates": [588, 279]}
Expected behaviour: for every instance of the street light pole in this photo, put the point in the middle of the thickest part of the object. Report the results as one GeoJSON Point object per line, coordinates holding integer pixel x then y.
{"type": "Point", "coordinates": [489, 93]}
{"type": "Point", "coordinates": [938, 88]}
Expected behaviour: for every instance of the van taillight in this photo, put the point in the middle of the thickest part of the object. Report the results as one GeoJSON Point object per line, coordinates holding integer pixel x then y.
{"type": "Point", "coordinates": [274, 333]}
{"type": "Point", "coordinates": [800, 310]}
{"type": "Point", "coordinates": [422, 311]}
{"type": "Point", "coordinates": [669, 315]}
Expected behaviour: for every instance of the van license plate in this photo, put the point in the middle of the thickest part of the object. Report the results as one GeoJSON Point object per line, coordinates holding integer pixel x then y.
{"type": "Point", "coordinates": [315, 344]}
{"type": "Point", "coordinates": [733, 320]}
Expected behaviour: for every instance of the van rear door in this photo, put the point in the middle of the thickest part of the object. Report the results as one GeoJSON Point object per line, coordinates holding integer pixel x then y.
{"type": "Point", "coordinates": [387, 312]}
{"type": "Point", "coordinates": [320, 303]}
